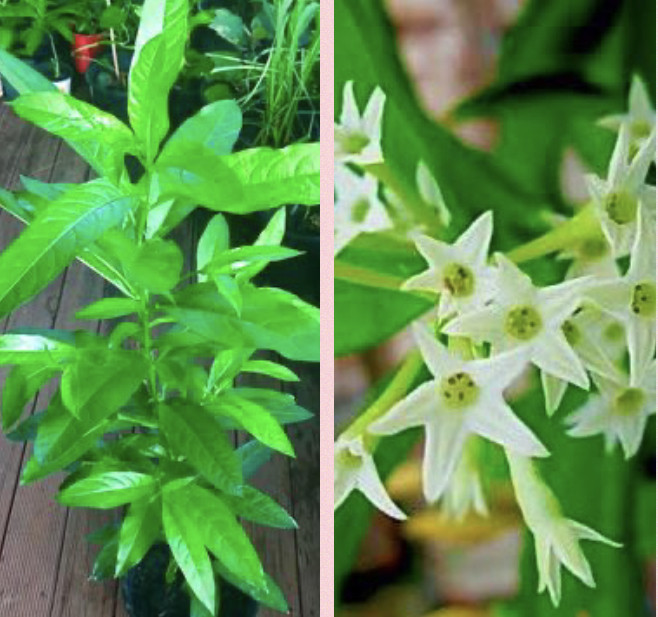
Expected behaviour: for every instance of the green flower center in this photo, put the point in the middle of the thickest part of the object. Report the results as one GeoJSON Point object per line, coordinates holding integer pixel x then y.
{"type": "Point", "coordinates": [593, 248]}
{"type": "Point", "coordinates": [458, 391]}
{"type": "Point", "coordinates": [629, 401]}
{"type": "Point", "coordinates": [360, 210]}
{"type": "Point", "coordinates": [640, 129]}
{"type": "Point", "coordinates": [643, 302]}
{"type": "Point", "coordinates": [459, 280]}
{"type": "Point", "coordinates": [614, 332]}
{"type": "Point", "coordinates": [571, 332]}
{"type": "Point", "coordinates": [354, 143]}
{"type": "Point", "coordinates": [621, 207]}
{"type": "Point", "coordinates": [523, 322]}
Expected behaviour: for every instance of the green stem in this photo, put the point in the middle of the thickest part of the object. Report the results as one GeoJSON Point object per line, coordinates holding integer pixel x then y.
{"type": "Point", "coordinates": [582, 226]}
{"type": "Point", "coordinates": [148, 347]}
{"type": "Point", "coordinates": [393, 392]}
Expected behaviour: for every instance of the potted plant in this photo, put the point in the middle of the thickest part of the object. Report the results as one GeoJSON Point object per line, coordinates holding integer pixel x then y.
{"type": "Point", "coordinates": [141, 414]}
{"type": "Point", "coordinates": [38, 24]}
{"type": "Point", "coordinates": [90, 31]}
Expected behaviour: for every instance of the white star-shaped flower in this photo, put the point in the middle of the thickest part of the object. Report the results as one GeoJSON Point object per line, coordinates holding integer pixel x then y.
{"type": "Point", "coordinates": [619, 411]}
{"type": "Point", "coordinates": [355, 469]}
{"type": "Point", "coordinates": [556, 538]}
{"type": "Point", "coordinates": [358, 208]}
{"type": "Point", "coordinates": [631, 299]}
{"type": "Point", "coordinates": [640, 117]}
{"type": "Point", "coordinates": [357, 139]}
{"type": "Point", "coordinates": [464, 492]}
{"type": "Point", "coordinates": [431, 194]}
{"type": "Point", "coordinates": [624, 192]}
{"type": "Point", "coordinates": [584, 333]}
{"type": "Point", "coordinates": [523, 316]}
{"type": "Point", "coordinates": [459, 271]}
{"type": "Point", "coordinates": [463, 398]}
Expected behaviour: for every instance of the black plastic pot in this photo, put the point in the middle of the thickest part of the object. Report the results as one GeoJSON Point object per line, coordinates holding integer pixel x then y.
{"type": "Point", "coordinates": [146, 593]}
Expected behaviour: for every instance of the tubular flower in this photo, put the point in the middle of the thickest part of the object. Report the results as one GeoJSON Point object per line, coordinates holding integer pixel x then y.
{"type": "Point", "coordinates": [523, 316]}
{"type": "Point", "coordinates": [357, 209]}
{"type": "Point", "coordinates": [624, 192]}
{"type": "Point", "coordinates": [354, 469]}
{"type": "Point", "coordinates": [464, 398]}
{"type": "Point", "coordinates": [459, 272]}
{"type": "Point", "coordinates": [357, 139]}
{"type": "Point", "coordinates": [556, 538]}
{"type": "Point", "coordinates": [619, 411]}
{"type": "Point", "coordinates": [631, 300]}
{"type": "Point", "coordinates": [640, 117]}
{"type": "Point", "coordinates": [464, 493]}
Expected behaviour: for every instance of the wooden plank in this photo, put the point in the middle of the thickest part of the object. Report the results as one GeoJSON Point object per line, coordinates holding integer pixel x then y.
{"type": "Point", "coordinates": [305, 487]}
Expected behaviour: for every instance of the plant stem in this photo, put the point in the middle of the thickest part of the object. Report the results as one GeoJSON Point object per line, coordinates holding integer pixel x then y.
{"type": "Point", "coordinates": [393, 392]}
{"type": "Point", "coordinates": [364, 276]}
{"type": "Point", "coordinates": [582, 226]}
{"type": "Point", "coordinates": [148, 347]}
{"type": "Point", "coordinates": [55, 56]}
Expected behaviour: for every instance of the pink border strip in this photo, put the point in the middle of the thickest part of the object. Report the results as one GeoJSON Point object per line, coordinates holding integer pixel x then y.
{"type": "Point", "coordinates": [326, 308]}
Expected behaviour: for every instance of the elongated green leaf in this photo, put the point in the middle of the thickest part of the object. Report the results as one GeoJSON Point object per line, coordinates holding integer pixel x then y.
{"type": "Point", "coordinates": [253, 455]}
{"type": "Point", "coordinates": [255, 419]}
{"type": "Point", "coordinates": [270, 596]}
{"type": "Point", "coordinates": [109, 308]}
{"type": "Point", "coordinates": [148, 96]}
{"type": "Point", "coordinates": [187, 547]}
{"type": "Point", "coordinates": [214, 240]}
{"type": "Point", "coordinates": [34, 348]}
{"type": "Point", "coordinates": [281, 405]}
{"type": "Point", "coordinates": [105, 564]}
{"type": "Point", "coordinates": [259, 508]}
{"type": "Point", "coordinates": [233, 260]}
{"type": "Point", "coordinates": [100, 138]}
{"type": "Point", "coordinates": [47, 190]}
{"type": "Point", "coordinates": [193, 432]}
{"type": "Point", "coordinates": [22, 383]}
{"type": "Point", "coordinates": [52, 241]}
{"type": "Point", "coordinates": [139, 531]}
{"type": "Point", "coordinates": [271, 369]}
{"type": "Point", "coordinates": [272, 235]}
{"type": "Point", "coordinates": [222, 534]}
{"type": "Point", "coordinates": [215, 126]}
{"type": "Point", "coordinates": [280, 321]}
{"type": "Point", "coordinates": [22, 76]}
{"type": "Point", "coordinates": [271, 178]}
{"type": "Point", "coordinates": [107, 490]}
{"type": "Point", "coordinates": [195, 173]}
{"type": "Point", "coordinates": [229, 289]}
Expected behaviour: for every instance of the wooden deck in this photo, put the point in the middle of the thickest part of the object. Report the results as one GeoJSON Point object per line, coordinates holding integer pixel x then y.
{"type": "Point", "coordinates": [45, 560]}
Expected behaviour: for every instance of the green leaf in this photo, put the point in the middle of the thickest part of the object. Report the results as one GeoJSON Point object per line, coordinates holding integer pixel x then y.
{"type": "Point", "coordinates": [148, 96]}
{"type": "Point", "coordinates": [233, 260]}
{"type": "Point", "coordinates": [22, 384]}
{"type": "Point", "coordinates": [280, 321]}
{"type": "Point", "coordinates": [140, 529]}
{"type": "Point", "coordinates": [109, 308]}
{"type": "Point", "coordinates": [195, 173]}
{"type": "Point", "coordinates": [52, 241]}
{"type": "Point", "coordinates": [271, 178]}
{"type": "Point", "coordinates": [229, 289]}
{"type": "Point", "coordinates": [187, 546]}
{"type": "Point", "coordinates": [107, 490]}
{"type": "Point", "coordinates": [253, 455]}
{"type": "Point", "coordinates": [271, 369]}
{"type": "Point", "coordinates": [259, 508]}
{"type": "Point", "coordinates": [194, 432]}
{"type": "Point", "coordinates": [214, 240]}
{"type": "Point", "coordinates": [105, 564]}
{"type": "Point", "coordinates": [281, 405]}
{"type": "Point", "coordinates": [272, 235]}
{"type": "Point", "coordinates": [230, 27]}
{"type": "Point", "coordinates": [22, 76]}
{"type": "Point", "coordinates": [98, 137]}
{"type": "Point", "coordinates": [255, 419]}
{"type": "Point", "coordinates": [157, 265]}
{"type": "Point", "coordinates": [34, 348]}
{"type": "Point", "coordinates": [222, 534]}
{"type": "Point", "coordinates": [270, 596]}
{"type": "Point", "coordinates": [215, 126]}
{"type": "Point", "coordinates": [88, 381]}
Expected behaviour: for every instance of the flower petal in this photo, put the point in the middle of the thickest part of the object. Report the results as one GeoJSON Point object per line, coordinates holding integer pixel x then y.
{"type": "Point", "coordinates": [371, 485]}
{"type": "Point", "coordinates": [554, 391]}
{"type": "Point", "coordinates": [475, 241]}
{"type": "Point", "coordinates": [555, 356]}
{"type": "Point", "coordinates": [641, 333]}
{"type": "Point", "coordinates": [413, 410]}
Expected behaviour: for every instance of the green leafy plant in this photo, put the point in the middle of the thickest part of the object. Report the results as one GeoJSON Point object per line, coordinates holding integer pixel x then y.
{"type": "Point", "coordinates": [141, 414]}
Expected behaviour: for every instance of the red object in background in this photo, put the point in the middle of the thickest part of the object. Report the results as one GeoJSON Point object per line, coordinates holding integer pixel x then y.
{"type": "Point", "coordinates": [85, 48]}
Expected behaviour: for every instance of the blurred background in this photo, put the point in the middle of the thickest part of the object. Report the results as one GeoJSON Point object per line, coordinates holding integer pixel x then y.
{"type": "Point", "coordinates": [452, 51]}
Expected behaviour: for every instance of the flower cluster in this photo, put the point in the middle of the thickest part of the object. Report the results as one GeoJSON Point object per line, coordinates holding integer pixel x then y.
{"type": "Point", "coordinates": [596, 330]}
